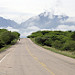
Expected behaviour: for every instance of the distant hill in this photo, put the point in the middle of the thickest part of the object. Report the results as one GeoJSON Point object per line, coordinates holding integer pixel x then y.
{"type": "Point", "coordinates": [7, 22]}
{"type": "Point", "coordinates": [45, 20]}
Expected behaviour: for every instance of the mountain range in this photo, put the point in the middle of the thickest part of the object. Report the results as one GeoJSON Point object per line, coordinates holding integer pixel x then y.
{"type": "Point", "coordinates": [45, 20]}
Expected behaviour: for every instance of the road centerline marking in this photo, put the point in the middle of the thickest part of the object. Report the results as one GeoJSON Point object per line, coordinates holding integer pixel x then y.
{"type": "Point", "coordinates": [41, 63]}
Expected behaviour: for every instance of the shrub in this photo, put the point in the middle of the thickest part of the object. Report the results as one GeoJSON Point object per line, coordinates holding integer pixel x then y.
{"type": "Point", "coordinates": [69, 45]}
{"type": "Point", "coordinates": [6, 37]}
{"type": "Point", "coordinates": [73, 35]}
{"type": "Point", "coordinates": [13, 42]}
{"type": "Point", "coordinates": [1, 43]}
{"type": "Point", "coordinates": [40, 40]}
{"type": "Point", "coordinates": [63, 40]}
{"type": "Point", "coordinates": [48, 42]}
{"type": "Point", "coordinates": [14, 35]}
{"type": "Point", "coordinates": [44, 32]}
{"type": "Point", "coordinates": [57, 44]}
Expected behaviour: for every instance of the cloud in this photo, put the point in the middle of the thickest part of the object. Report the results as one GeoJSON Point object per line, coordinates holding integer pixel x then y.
{"type": "Point", "coordinates": [12, 29]}
{"type": "Point", "coordinates": [64, 28]}
{"type": "Point", "coordinates": [58, 3]}
{"type": "Point", "coordinates": [9, 29]}
{"type": "Point", "coordinates": [31, 23]}
{"type": "Point", "coordinates": [32, 29]}
{"type": "Point", "coordinates": [36, 17]}
{"type": "Point", "coordinates": [16, 9]}
{"type": "Point", "coordinates": [72, 19]}
{"type": "Point", "coordinates": [1, 27]}
{"type": "Point", "coordinates": [15, 15]}
{"type": "Point", "coordinates": [29, 30]}
{"type": "Point", "coordinates": [23, 32]}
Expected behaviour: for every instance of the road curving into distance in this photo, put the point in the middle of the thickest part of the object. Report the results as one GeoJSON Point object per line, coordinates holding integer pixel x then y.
{"type": "Point", "coordinates": [27, 58]}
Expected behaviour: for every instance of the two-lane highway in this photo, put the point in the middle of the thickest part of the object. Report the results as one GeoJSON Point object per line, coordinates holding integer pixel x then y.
{"type": "Point", "coordinates": [27, 58]}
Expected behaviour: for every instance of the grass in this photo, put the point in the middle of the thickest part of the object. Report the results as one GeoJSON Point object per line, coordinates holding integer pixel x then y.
{"type": "Point", "coordinates": [65, 53]}
{"type": "Point", "coordinates": [4, 48]}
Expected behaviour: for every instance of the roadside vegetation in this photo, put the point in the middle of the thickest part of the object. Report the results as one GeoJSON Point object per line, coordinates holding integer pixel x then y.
{"type": "Point", "coordinates": [62, 42]}
{"type": "Point", "coordinates": [7, 38]}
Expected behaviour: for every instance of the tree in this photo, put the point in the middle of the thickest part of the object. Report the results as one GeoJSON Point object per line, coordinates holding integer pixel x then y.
{"type": "Point", "coordinates": [57, 44]}
{"type": "Point", "coordinates": [1, 42]}
{"type": "Point", "coordinates": [73, 35]}
{"type": "Point", "coordinates": [6, 37]}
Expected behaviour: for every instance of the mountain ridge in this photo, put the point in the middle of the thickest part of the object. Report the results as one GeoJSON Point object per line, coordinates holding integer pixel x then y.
{"type": "Point", "coordinates": [45, 20]}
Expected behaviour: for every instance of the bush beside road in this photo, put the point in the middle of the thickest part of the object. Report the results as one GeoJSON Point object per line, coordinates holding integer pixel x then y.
{"type": "Point", "coordinates": [62, 42]}
{"type": "Point", "coordinates": [7, 38]}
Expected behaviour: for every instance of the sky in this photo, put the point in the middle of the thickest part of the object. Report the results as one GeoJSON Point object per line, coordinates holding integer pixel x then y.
{"type": "Point", "coordinates": [21, 10]}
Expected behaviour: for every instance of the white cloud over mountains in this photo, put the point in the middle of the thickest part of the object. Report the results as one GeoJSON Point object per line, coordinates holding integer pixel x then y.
{"type": "Point", "coordinates": [29, 30]}
{"type": "Point", "coordinates": [10, 29]}
{"type": "Point", "coordinates": [70, 19]}
{"type": "Point", "coordinates": [65, 28]}
{"type": "Point", "coordinates": [32, 29]}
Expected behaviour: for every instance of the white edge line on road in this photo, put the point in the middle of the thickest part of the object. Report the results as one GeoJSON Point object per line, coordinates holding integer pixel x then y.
{"type": "Point", "coordinates": [4, 57]}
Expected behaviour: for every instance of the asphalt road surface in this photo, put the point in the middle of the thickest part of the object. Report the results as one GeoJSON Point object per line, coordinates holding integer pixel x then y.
{"type": "Point", "coordinates": [26, 58]}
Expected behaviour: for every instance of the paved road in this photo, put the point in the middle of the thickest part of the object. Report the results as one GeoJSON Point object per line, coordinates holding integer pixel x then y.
{"type": "Point", "coordinates": [26, 58]}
